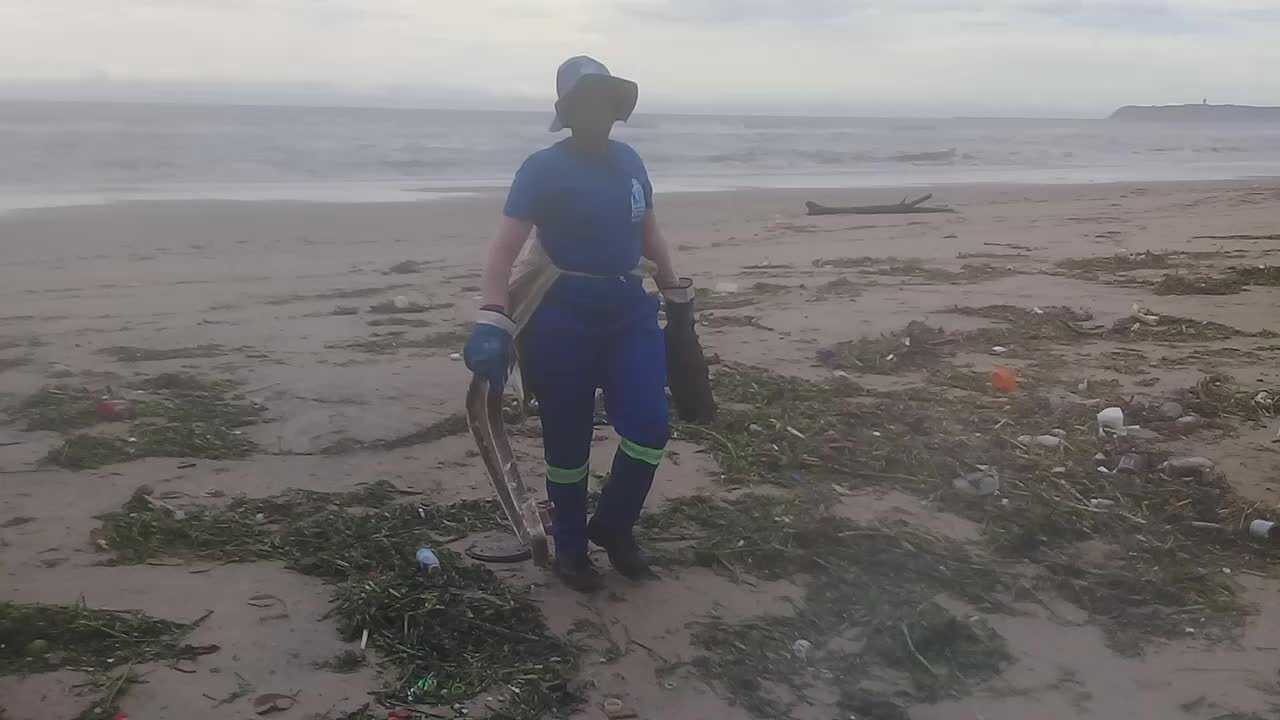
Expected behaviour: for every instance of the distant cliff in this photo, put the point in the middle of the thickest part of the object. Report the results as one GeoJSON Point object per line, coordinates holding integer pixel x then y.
{"type": "Point", "coordinates": [1198, 113]}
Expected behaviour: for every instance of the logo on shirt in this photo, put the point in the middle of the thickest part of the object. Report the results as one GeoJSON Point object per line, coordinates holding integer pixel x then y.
{"type": "Point", "coordinates": [637, 201]}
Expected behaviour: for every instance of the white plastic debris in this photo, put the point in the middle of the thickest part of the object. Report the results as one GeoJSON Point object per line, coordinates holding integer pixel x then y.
{"type": "Point", "coordinates": [401, 302]}
{"type": "Point", "coordinates": [1048, 441]}
{"type": "Point", "coordinates": [801, 648]}
{"type": "Point", "coordinates": [1112, 420]}
{"type": "Point", "coordinates": [455, 356]}
{"type": "Point", "coordinates": [986, 481]}
{"type": "Point", "coordinates": [1101, 503]}
{"type": "Point", "coordinates": [725, 287]}
{"type": "Point", "coordinates": [1145, 316]}
{"type": "Point", "coordinates": [999, 350]}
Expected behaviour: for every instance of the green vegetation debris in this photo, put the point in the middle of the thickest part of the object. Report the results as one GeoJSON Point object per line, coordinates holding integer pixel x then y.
{"type": "Point", "coordinates": [1181, 284]}
{"type": "Point", "coordinates": [344, 663]}
{"type": "Point", "coordinates": [344, 294]}
{"type": "Point", "coordinates": [59, 408]}
{"type": "Point", "coordinates": [1160, 573]}
{"type": "Point", "coordinates": [1123, 262]}
{"type": "Point", "coordinates": [171, 415]}
{"type": "Point", "coordinates": [42, 638]}
{"type": "Point", "coordinates": [128, 353]}
{"type": "Point", "coordinates": [914, 347]}
{"type": "Point", "coordinates": [392, 342]}
{"type": "Point", "coordinates": [863, 585]}
{"type": "Point", "coordinates": [403, 321]}
{"type": "Point", "coordinates": [466, 627]}
{"type": "Point", "coordinates": [391, 307]}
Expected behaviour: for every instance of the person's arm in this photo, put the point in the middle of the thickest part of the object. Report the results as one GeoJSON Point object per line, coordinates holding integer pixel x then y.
{"type": "Point", "coordinates": [654, 246]}
{"type": "Point", "coordinates": [507, 244]}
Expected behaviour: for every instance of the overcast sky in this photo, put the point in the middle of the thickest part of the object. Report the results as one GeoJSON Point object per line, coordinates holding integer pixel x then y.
{"type": "Point", "coordinates": [862, 57]}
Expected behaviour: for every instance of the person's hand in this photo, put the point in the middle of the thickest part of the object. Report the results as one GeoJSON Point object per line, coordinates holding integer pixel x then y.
{"type": "Point", "coordinates": [678, 298]}
{"type": "Point", "coordinates": [488, 349]}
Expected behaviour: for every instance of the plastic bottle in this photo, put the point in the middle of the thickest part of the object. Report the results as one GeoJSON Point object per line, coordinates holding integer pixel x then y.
{"type": "Point", "coordinates": [428, 561]}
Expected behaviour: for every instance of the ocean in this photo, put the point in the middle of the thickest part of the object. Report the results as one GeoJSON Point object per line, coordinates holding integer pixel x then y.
{"type": "Point", "coordinates": [76, 153]}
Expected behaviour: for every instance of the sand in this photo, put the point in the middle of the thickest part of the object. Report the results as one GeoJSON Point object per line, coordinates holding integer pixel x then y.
{"type": "Point", "coordinates": [262, 280]}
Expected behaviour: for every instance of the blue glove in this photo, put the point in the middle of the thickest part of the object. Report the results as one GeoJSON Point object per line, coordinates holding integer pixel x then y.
{"type": "Point", "coordinates": [489, 348]}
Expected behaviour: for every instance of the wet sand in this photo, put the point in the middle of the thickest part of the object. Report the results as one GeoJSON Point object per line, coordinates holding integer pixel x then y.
{"type": "Point", "coordinates": [262, 281]}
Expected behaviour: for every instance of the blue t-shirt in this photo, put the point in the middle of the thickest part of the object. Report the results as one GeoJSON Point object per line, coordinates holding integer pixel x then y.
{"type": "Point", "coordinates": [589, 209]}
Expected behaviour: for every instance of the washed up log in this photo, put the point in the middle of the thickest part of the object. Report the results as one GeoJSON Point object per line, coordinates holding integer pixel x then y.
{"type": "Point", "coordinates": [902, 208]}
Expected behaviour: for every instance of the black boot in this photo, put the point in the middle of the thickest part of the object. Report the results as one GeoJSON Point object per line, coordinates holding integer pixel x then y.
{"type": "Point", "coordinates": [624, 554]}
{"type": "Point", "coordinates": [578, 573]}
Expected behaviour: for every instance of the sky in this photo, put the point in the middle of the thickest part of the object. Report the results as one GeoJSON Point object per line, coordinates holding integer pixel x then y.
{"type": "Point", "coordinates": [822, 57]}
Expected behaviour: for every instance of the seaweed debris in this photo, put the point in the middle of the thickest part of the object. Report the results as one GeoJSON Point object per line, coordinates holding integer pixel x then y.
{"type": "Point", "coordinates": [131, 354]}
{"type": "Point", "coordinates": [1165, 574]}
{"type": "Point", "coordinates": [466, 629]}
{"type": "Point", "coordinates": [1119, 263]}
{"type": "Point", "coordinates": [868, 610]}
{"type": "Point", "coordinates": [171, 415]}
{"type": "Point", "coordinates": [1182, 284]}
{"type": "Point", "coordinates": [914, 347]}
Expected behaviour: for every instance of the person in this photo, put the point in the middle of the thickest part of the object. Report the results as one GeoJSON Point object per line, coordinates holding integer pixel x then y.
{"type": "Point", "coordinates": [596, 328]}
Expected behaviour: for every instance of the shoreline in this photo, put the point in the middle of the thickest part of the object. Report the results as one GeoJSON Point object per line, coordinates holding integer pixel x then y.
{"type": "Point", "coordinates": [457, 193]}
{"type": "Point", "coordinates": [417, 191]}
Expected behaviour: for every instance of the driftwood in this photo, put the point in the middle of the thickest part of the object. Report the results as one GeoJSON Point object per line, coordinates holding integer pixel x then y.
{"type": "Point", "coordinates": [902, 208]}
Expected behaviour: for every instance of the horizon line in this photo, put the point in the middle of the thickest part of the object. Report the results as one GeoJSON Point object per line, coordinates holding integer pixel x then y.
{"type": "Point", "coordinates": [161, 102]}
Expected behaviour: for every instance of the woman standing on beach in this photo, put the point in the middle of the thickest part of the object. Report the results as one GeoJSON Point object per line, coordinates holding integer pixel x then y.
{"type": "Point", "coordinates": [597, 328]}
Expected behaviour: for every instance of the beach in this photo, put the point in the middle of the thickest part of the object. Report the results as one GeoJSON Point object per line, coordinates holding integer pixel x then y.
{"type": "Point", "coordinates": [341, 322]}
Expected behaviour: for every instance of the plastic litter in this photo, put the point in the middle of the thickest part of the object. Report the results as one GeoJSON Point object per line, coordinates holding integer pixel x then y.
{"type": "Point", "coordinates": [999, 350]}
{"type": "Point", "coordinates": [1145, 316]}
{"type": "Point", "coordinates": [428, 561]}
{"type": "Point", "coordinates": [421, 689]}
{"type": "Point", "coordinates": [1188, 466]}
{"type": "Point", "coordinates": [1004, 380]}
{"type": "Point", "coordinates": [112, 410]}
{"type": "Point", "coordinates": [615, 709]}
{"type": "Point", "coordinates": [1265, 530]}
{"type": "Point", "coordinates": [1187, 423]}
{"type": "Point", "coordinates": [725, 287]}
{"type": "Point", "coordinates": [986, 481]}
{"type": "Point", "coordinates": [1111, 419]}
{"type": "Point", "coordinates": [801, 648]}
{"type": "Point", "coordinates": [268, 703]}
{"type": "Point", "coordinates": [1132, 464]}
{"type": "Point", "coordinates": [1048, 441]}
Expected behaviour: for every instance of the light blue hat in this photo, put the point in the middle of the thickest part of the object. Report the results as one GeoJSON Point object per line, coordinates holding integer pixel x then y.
{"type": "Point", "coordinates": [584, 74]}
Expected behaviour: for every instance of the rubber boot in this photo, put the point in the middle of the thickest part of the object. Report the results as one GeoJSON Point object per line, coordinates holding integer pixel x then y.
{"type": "Point", "coordinates": [620, 504]}
{"type": "Point", "coordinates": [572, 564]}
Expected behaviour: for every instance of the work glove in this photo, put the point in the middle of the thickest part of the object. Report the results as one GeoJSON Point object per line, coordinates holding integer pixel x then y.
{"type": "Point", "coordinates": [677, 301]}
{"type": "Point", "coordinates": [488, 350]}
